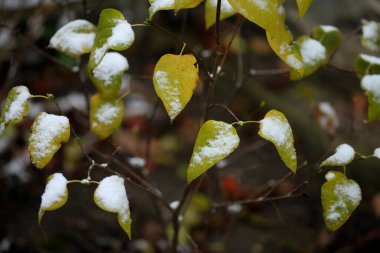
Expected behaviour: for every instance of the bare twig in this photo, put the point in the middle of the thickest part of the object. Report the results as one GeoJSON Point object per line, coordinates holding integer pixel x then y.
{"type": "Point", "coordinates": [225, 108]}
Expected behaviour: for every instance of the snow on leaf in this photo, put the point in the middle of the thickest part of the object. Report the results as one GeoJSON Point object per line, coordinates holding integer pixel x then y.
{"type": "Point", "coordinates": [48, 133]}
{"type": "Point", "coordinates": [106, 115]}
{"type": "Point", "coordinates": [16, 106]}
{"type": "Point", "coordinates": [75, 38]}
{"type": "Point", "coordinates": [276, 129]}
{"type": "Point", "coordinates": [107, 76]}
{"type": "Point", "coordinates": [376, 153]}
{"type": "Point", "coordinates": [340, 197]}
{"type": "Point", "coordinates": [327, 117]}
{"type": "Point", "coordinates": [55, 195]}
{"type": "Point", "coordinates": [111, 196]}
{"type": "Point", "coordinates": [343, 155]}
{"type": "Point", "coordinates": [367, 65]}
{"type": "Point", "coordinates": [371, 35]}
{"type": "Point", "coordinates": [185, 4]}
{"type": "Point", "coordinates": [158, 5]}
{"type": "Point", "coordinates": [114, 32]}
{"type": "Point", "coordinates": [226, 11]}
{"type": "Point", "coordinates": [215, 141]}
{"type": "Point", "coordinates": [175, 78]}
{"type": "Point", "coordinates": [303, 6]}
{"type": "Point", "coordinates": [329, 36]}
{"type": "Point", "coordinates": [371, 85]}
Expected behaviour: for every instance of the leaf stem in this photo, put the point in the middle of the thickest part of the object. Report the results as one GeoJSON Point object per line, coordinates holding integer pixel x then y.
{"type": "Point", "coordinates": [84, 181]}
{"type": "Point", "coordinates": [183, 48]}
{"type": "Point", "coordinates": [40, 96]}
{"type": "Point", "coordinates": [140, 25]}
{"type": "Point", "coordinates": [242, 123]}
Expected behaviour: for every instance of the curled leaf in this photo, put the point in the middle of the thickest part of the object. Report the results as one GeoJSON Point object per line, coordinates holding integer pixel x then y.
{"type": "Point", "coordinates": [111, 196]}
{"type": "Point", "coordinates": [329, 36]}
{"type": "Point", "coordinates": [367, 65]}
{"type": "Point", "coordinates": [215, 141]}
{"type": "Point", "coordinates": [371, 85]}
{"type": "Point", "coordinates": [226, 11]}
{"type": "Point", "coordinates": [344, 154]}
{"type": "Point", "coordinates": [276, 129]}
{"type": "Point", "coordinates": [158, 5]}
{"type": "Point", "coordinates": [48, 133]}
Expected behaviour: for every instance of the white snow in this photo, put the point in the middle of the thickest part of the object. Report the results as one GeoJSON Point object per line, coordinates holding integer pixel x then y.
{"type": "Point", "coordinates": [76, 37]}
{"type": "Point", "coordinates": [137, 161]}
{"type": "Point", "coordinates": [276, 130]}
{"type": "Point", "coordinates": [371, 84]}
{"type": "Point", "coordinates": [225, 6]}
{"type": "Point", "coordinates": [349, 190]}
{"type": "Point", "coordinates": [371, 59]}
{"type": "Point", "coordinates": [328, 28]}
{"type": "Point", "coordinates": [47, 127]}
{"type": "Point", "coordinates": [55, 191]}
{"type": "Point", "coordinates": [111, 65]}
{"type": "Point", "coordinates": [294, 62]}
{"type": "Point", "coordinates": [157, 5]}
{"type": "Point", "coordinates": [234, 208]}
{"type": "Point", "coordinates": [17, 107]}
{"type": "Point", "coordinates": [18, 167]}
{"type": "Point", "coordinates": [312, 51]}
{"type": "Point", "coordinates": [174, 204]}
{"type": "Point", "coordinates": [112, 196]}
{"type": "Point", "coordinates": [376, 153]}
{"type": "Point", "coordinates": [329, 176]}
{"type": "Point", "coordinates": [328, 119]}
{"type": "Point", "coordinates": [107, 113]}
{"type": "Point", "coordinates": [344, 154]}
{"type": "Point", "coordinates": [371, 31]}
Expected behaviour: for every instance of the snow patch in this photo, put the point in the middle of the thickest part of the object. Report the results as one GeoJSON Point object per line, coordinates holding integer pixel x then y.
{"type": "Point", "coordinates": [17, 107]}
{"type": "Point", "coordinates": [344, 154]}
{"type": "Point", "coordinates": [276, 130]}
{"type": "Point", "coordinates": [371, 84]}
{"type": "Point", "coordinates": [371, 59]}
{"type": "Point", "coordinates": [376, 153]}
{"type": "Point", "coordinates": [371, 31]}
{"type": "Point", "coordinates": [111, 65]}
{"type": "Point", "coordinates": [312, 52]}
{"type": "Point", "coordinates": [55, 191]}
{"type": "Point", "coordinates": [328, 28]}
{"type": "Point", "coordinates": [170, 90]}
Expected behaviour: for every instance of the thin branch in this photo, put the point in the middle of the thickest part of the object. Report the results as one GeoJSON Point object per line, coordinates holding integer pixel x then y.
{"type": "Point", "coordinates": [225, 108]}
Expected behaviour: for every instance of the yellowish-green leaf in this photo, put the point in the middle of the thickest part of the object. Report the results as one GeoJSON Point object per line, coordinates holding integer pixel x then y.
{"type": "Point", "coordinates": [313, 56]}
{"type": "Point", "coordinates": [106, 115]}
{"type": "Point", "coordinates": [107, 76]}
{"type": "Point", "coordinates": [114, 32]}
{"type": "Point", "coordinates": [344, 154]}
{"type": "Point", "coordinates": [226, 11]}
{"type": "Point", "coordinates": [367, 65]}
{"type": "Point", "coordinates": [371, 35]}
{"type": "Point", "coordinates": [16, 107]}
{"type": "Point", "coordinates": [111, 196]}
{"type": "Point", "coordinates": [276, 129]}
{"type": "Point", "coordinates": [55, 195]}
{"type": "Point", "coordinates": [340, 197]}
{"type": "Point", "coordinates": [48, 133]}
{"type": "Point", "coordinates": [75, 38]}
{"type": "Point", "coordinates": [186, 4]}
{"type": "Point", "coordinates": [215, 141]}
{"type": "Point", "coordinates": [158, 5]}
{"type": "Point", "coordinates": [303, 6]}
{"type": "Point", "coordinates": [371, 85]}
{"type": "Point", "coordinates": [175, 78]}
{"type": "Point", "coordinates": [329, 36]}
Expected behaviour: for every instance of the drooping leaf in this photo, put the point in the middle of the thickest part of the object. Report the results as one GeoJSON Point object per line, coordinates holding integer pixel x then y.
{"type": "Point", "coordinates": [16, 107]}
{"type": "Point", "coordinates": [158, 5]}
{"type": "Point", "coordinates": [55, 195]}
{"type": "Point", "coordinates": [303, 6]}
{"type": "Point", "coordinates": [75, 38]}
{"type": "Point", "coordinates": [48, 133]}
{"type": "Point", "coordinates": [107, 76]}
{"type": "Point", "coordinates": [114, 32]}
{"type": "Point", "coordinates": [367, 65]}
{"type": "Point", "coordinates": [340, 197]}
{"type": "Point", "coordinates": [186, 4]}
{"type": "Point", "coordinates": [329, 36]}
{"type": "Point", "coordinates": [313, 56]}
{"type": "Point", "coordinates": [106, 115]}
{"type": "Point", "coordinates": [175, 78]}
{"type": "Point", "coordinates": [215, 141]}
{"type": "Point", "coordinates": [371, 85]}
{"type": "Point", "coordinates": [276, 129]}
{"type": "Point", "coordinates": [111, 196]}
{"type": "Point", "coordinates": [226, 11]}
{"type": "Point", "coordinates": [371, 35]}
{"type": "Point", "coordinates": [344, 154]}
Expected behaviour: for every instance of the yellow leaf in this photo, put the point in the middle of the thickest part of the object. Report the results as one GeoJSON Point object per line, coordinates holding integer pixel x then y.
{"type": "Point", "coordinates": [186, 4]}
{"type": "Point", "coordinates": [158, 5]}
{"type": "Point", "coordinates": [226, 11]}
{"type": "Point", "coordinates": [303, 6]}
{"type": "Point", "coordinates": [344, 154]}
{"type": "Point", "coordinates": [175, 78]}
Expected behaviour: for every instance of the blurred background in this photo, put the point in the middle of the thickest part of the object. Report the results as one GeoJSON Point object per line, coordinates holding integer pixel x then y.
{"type": "Point", "coordinates": [252, 82]}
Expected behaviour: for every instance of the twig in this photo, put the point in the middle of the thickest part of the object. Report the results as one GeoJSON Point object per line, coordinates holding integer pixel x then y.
{"type": "Point", "coordinates": [225, 108]}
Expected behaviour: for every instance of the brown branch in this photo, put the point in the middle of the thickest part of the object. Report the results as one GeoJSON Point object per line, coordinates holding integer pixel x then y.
{"type": "Point", "coordinates": [225, 108]}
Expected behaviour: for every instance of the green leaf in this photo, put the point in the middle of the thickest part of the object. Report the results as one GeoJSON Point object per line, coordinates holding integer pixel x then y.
{"type": "Point", "coordinates": [75, 38]}
{"type": "Point", "coordinates": [340, 197]}
{"type": "Point", "coordinates": [159, 5]}
{"type": "Point", "coordinates": [48, 133]}
{"type": "Point", "coordinates": [55, 195]}
{"type": "Point", "coordinates": [371, 85]}
{"type": "Point", "coordinates": [107, 76]}
{"type": "Point", "coordinates": [226, 11]}
{"type": "Point", "coordinates": [367, 65]}
{"type": "Point", "coordinates": [106, 115]}
{"type": "Point", "coordinates": [329, 36]}
{"type": "Point", "coordinates": [186, 4]}
{"type": "Point", "coordinates": [175, 78]}
{"type": "Point", "coordinates": [303, 6]}
{"type": "Point", "coordinates": [114, 32]}
{"type": "Point", "coordinates": [344, 154]}
{"type": "Point", "coordinates": [276, 129]}
{"type": "Point", "coordinates": [16, 107]}
{"type": "Point", "coordinates": [111, 196]}
{"type": "Point", "coordinates": [371, 35]}
{"type": "Point", "coordinates": [215, 141]}
{"type": "Point", "coordinates": [313, 56]}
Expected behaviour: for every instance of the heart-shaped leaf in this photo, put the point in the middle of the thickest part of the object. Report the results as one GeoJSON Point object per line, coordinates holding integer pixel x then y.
{"type": "Point", "coordinates": [106, 115]}
{"type": "Point", "coordinates": [226, 11]}
{"type": "Point", "coordinates": [75, 38]}
{"type": "Point", "coordinates": [371, 35]}
{"type": "Point", "coordinates": [276, 129]}
{"type": "Point", "coordinates": [367, 65]}
{"type": "Point", "coordinates": [175, 78]}
{"type": "Point", "coordinates": [371, 85]}
{"type": "Point", "coordinates": [48, 133]}
{"type": "Point", "coordinates": [344, 154]}
{"type": "Point", "coordinates": [111, 196]}
{"type": "Point", "coordinates": [55, 195]}
{"type": "Point", "coordinates": [329, 36]}
{"type": "Point", "coordinates": [16, 107]}
{"type": "Point", "coordinates": [340, 197]}
{"type": "Point", "coordinates": [303, 6]}
{"type": "Point", "coordinates": [215, 141]}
